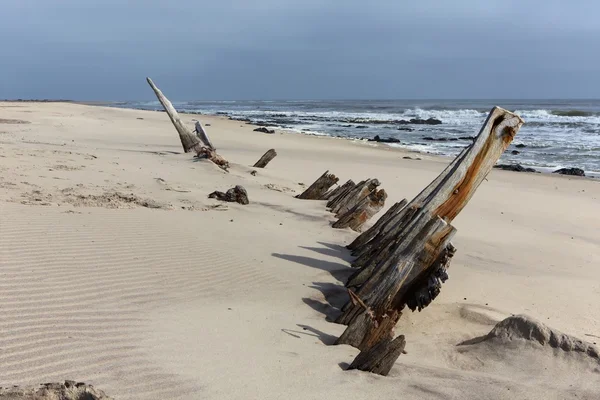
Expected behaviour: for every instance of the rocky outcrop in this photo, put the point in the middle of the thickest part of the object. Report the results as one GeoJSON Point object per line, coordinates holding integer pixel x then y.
{"type": "Point", "coordinates": [570, 171]}
{"type": "Point", "coordinates": [514, 167]}
{"type": "Point", "coordinates": [69, 390]}
{"type": "Point", "coordinates": [419, 121]}
{"type": "Point", "coordinates": [520, 146]}
{"type": "Point", "coordinates": [264, 130]}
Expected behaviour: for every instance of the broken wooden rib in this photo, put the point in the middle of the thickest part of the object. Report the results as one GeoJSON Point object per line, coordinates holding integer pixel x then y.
{"type": "Point", "coordinates": [319, 188]}
{"type": "Point", "coordinates": [380, 358]}
{"type": "Point", "coordinates": [370, 233]}
{"type": "Point", "coordinates": [355, 196]}
{"type": "Point", "coordinates": [420, 249]}
{"type": "Point", "coordinates": [333, 193]}
{"type": "Point", "coordinates": [345, 189]}
{"type": "Point", "coordinates": [405, 262]}
{"type": "Point", "coordinates": [452, 189]}
{"type": "Point", "coordinates": [366, 208]}
{"type": "Point", "coordinates": [202, 135]}
{"type": "Point", "coordinates": [201, 144]}
{"type": "Point", "coordinates": [265, 159]}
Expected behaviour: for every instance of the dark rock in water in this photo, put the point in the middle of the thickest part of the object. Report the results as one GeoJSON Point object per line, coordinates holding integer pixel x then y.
{"type": "Point", "coordinates": [514, 167]}
{"type": "Point", "coordinates": [441, 139]}
{"type": "Point", "coordinates": [570, 171]}
{"type": "Point", "coordinates": [467, 138]}
{"type": "Point", "coordinates": [405, 128]}
{"type": "Point", "coordinates": [264, 130]}
{"type": "Point", "coordinates": [361, 126]}
{"type": "Point", "coordinates": [515, 152]}
{"type": "Point", "coordinates": [419, 121]}
{"type": "Point", "coordinates": [379, 139]}
{"type": "Point", "coordinates": [520, 146]}
{"type": "Point", "coordinates": [346, 126]}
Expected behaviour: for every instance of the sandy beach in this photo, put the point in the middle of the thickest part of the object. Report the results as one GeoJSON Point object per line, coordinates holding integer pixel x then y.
{"type": "Point", "coordinates": [116, 269]}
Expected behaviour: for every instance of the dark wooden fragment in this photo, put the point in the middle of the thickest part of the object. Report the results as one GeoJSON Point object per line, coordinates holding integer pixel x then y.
{"type": "Point", "coordinates": [265, 159]}
{"type": "Point", "coordinates": [319, 187]}
{"type": "Point", "coordinates": [358, 215]}
{"type": "Point", "coordinates": [380, 358]}
{"type": "Point", "coordinates": [370, 233]}
{"type": "Point", "coordinates": [354, 197]}
{"type": "Point", "coordinates": [234, 195]}
{"type": "Point", "coordinates": [346, 189]}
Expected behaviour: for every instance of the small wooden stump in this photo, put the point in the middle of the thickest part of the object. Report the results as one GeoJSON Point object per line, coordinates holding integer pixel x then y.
{"type": "Point", "coordinates": [234, 195]}
{"type": "Point", "coordinates": [356, 217]}
{"type": "Point", "coordinates": [265, 159]}
{"type": "Point", "coordinates": [380, 358]}
{"type": "Point", "coordinates": [317, 190]}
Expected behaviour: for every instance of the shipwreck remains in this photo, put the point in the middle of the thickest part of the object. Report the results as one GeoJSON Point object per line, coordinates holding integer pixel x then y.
{"type": "Point", "coordinates": [402, 260]}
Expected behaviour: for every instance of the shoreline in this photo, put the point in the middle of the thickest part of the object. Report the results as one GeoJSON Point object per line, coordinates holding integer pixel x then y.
{"type": "Point", "coordinates": [398, 146]}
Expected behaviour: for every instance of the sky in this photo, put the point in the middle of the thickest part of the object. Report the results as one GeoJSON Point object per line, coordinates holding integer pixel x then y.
{"type": "Point", "coordinates": [300, 49]}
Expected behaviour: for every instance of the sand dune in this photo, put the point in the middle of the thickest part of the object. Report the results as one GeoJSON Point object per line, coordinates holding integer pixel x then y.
{"type": "Point", "coordinates": [117, 270]}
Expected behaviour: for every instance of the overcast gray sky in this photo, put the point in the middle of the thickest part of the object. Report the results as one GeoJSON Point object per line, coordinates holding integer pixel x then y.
{"type": "Point", "coordinates": [299, 49]}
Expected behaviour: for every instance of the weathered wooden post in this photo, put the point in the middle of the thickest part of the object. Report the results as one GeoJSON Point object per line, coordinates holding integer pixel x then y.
{"type": "Point", "coordinates": [265, 159]}
{"type": "Point", "coordinates": [405, 260]}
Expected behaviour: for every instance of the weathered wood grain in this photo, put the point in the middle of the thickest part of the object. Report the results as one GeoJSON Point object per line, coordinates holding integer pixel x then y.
{"type": "Point", "coordinates": [189, 141]}
{"type": "Point", "coordinates": [265, 159]}
{"type": "Point", "coordinates": [358, 215]}
{"type": "Point", "coordinates": [319, 187]}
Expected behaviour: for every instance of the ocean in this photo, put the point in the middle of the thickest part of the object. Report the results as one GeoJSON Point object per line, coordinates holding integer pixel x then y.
{"type": "Point", "coordinates": [556, 134]}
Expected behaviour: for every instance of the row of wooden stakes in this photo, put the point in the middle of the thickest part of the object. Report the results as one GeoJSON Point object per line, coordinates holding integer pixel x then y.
{"type": "Point", "coordinates": [353, 204]}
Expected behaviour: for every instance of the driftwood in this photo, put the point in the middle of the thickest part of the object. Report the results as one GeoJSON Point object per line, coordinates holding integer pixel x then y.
{"type": "Point", "coordinates": [366, 208]}
{"type": "Point", "coordinates": [234, 195]}
{"type": "Point", "coordinates": [405, 262]}
{"type": "Point", "coordinates": [203, 136]}
{"type": "Point", "coordinates": [265, 159]}
{"type": "Point", "coordinates": [319, 188]}
{"type": "Point", "coordinates": [199, 143]}
{"type": "Point", "coordinates": [380, 358]}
